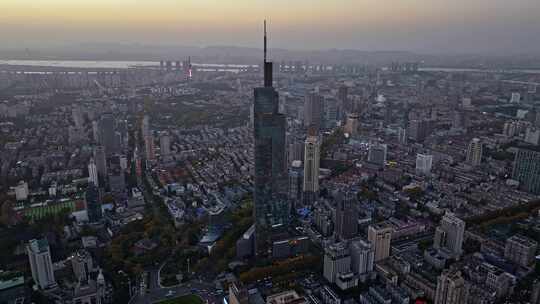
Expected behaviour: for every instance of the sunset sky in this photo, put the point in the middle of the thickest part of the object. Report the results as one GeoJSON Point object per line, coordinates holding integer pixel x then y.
{"type": "Point", "coordinates": [416, 25]}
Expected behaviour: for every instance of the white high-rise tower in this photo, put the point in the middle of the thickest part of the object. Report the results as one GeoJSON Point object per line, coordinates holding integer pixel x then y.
{"type": "Point", "coordinates": [93, 173]}
{"type": "Point", "coordinates": [41, 265]}
{"type": "Point", "coordinates": [449, 235]}
{"type": "Point", "coordinates": [312, 153]}
{"type": "Point", "coordinates": [474, 153]}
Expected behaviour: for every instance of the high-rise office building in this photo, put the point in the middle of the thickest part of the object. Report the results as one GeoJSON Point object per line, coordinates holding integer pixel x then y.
{"type": "Point", "coordinates": [245, 245]}
{"type": "Point", "coordinates": [449, 236]}
{"type": "Point", "coordinates": [95, 131]}
{"type": "Point", "coordinates": [77, 116]}
{"type": "Point", "coordinates": [532, 136]}
{"type": "Point", "coordinates": [145, 126]}
{"type": "Point", "coordinates": [311, 168]}
{"type": "Point", "coordinates": [93, 204]}
{"type": "Point", "coordinates": [296, 149]}
{"type": "Point", "coordinates": [123, 162]}
{"type": "Point", "coordinates": [313, 110]}
{"type": "Point", "coordinates": [352, 124]}
{"type": "Point", "coordinates": [337, 260]}
{"type": "Point", "coordinates": [137, 162]}
{"type": "Point", "coordinates": [377, 154]}
{"type": "Point", "coordinates": [101, 162]}
{"type": "Point", "coordinates": [122, 133]}
{"type": "Point", "coordinates": [117, 184]}
{"type": "Point", "coordinates": [238, 294]}
{"type": "Point", "coordinates": [331, 112]}
{"type": "Point", "coordinates": [423, 164]}
{"type": "Point", "coordinates": [451, 288]}
{"type": "Point", "coordinates": [380, 236]}
{"type": "Point", "coordinates": [21, 191]}
{"type": "Point", "coordinates": [527, 170]}
{"type": "Point", "coordinates": [107, 134]}
{"type": "Point", "coordinates": [535, 292]}
{"type": "Point", "coordinates": [402, 136]}
{"type": "Point", "coordinates": [346, 218]}
{"type": "Point", "coordinates": [149, 147]}
{"type": "Point", "coordinates": [343, 96]}
{"type": "Point", "coordinates": [456, 120]}
{"type": "Point", "coordinates": [474, 152]}
{"type": "Point", "coordinates": [418, 130]}
{"type": "Point", "coordinates": [41, 265]}
{"type": "Point", "coordinates": [296, 179]}
{"type": "Point", "coordinates": [165, 144]}
{"type": "Point", "coordinates": [82, 264]}
{"type": "Point", "coordinates": [388, 111]}
{"type": "Point", "coordinates": [520, 250]}
{"type": "Point", "coordinates": [93, 173]}
{"type": "Point", "coordinates": [515, 97]}
{"type": "Point", "coordinates": [270, 160]}
{"type": "Point", "coordinates": [362, 257]}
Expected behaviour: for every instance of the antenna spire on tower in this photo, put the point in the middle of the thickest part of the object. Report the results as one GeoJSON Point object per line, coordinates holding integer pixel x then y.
{"type": "Point", "coordinates": [264, 40]}
{"type": "Point", "coordinates": [267, 66]}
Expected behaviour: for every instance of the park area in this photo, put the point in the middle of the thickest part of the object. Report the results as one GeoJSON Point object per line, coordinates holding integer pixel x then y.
{"type": "Point", "coordinates": [190, 299]}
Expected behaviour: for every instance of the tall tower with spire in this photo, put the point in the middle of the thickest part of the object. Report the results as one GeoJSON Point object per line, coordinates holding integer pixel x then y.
{"type": "Point", "coordinates": [270, 179]}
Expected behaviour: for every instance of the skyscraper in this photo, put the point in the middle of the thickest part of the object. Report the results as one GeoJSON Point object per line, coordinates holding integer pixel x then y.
{"type": "Point", "coordinates": [449, 235]}
{"type": "Point", "coordinates": [107, 134]}
{"type": "Point", "coordinates": [346, 218]}
{"type": "Point", "coordinates": [520, 250]}
{"type": "Point", "coordinates": [149, 147]}
{"type": "Point", "coordinates": [423, 164]}
{"type": "Point", "coordinates": [270, 159]}
{"type": "Point", "coordinates": [474, 152]}
{"type": "Point", "coordinates": [527, 170]}
{"type": "Point", "coordinates": [312, 153]}
{"type": "Point", "coordinates": [93, 204]}
{"type": "Point", "coordinates": [418, 130]}
{"type": "Point", "coordinates": [343, 96]}
{"type": "Point", "coordinates": [331, 112]}
{"type": "Point", "coordinates": [296, 147]}
{"type": "Point", "coordinates": [380, 236]}
{"type": "Point", "coordinates": [352, 124]}
{"type": "Point", "coordinates": [515, 97]}
{"type": "Point", "coordinates": [362, 256]}
{"type": "Point", "coordinates": [402, 136]}
{"type": "Point", "coordinates": [93, 173]}
{"type": "Point", "coordinates": [451, 288]}
{"type": "Point", "coordinates": [95, 131]}
{"type": "Point", "coordinates": [82, 264]}
{"type": "Point", "coordinates": [165, 144]}
{"type": "Point", "coordinates": [296, 180]}
{"type": "Point", "coordinates": [377, 154]}
{"type": "Point", "coordinates": [77, 116]}
{"type": "Point", "coordinates": [313, 110]}
{"type": "Point", "coordinates": [145, 126]}
{"type": "Point", "coordinates": [41, 265]}
{"type": "Point", "coordinates": [101, 162]}
{"type": "Point", "coordinates": [337, 260]}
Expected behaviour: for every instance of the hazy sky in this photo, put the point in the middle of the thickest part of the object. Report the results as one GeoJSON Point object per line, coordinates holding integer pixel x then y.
{"type": "Point", "coordinates": [417, 25]}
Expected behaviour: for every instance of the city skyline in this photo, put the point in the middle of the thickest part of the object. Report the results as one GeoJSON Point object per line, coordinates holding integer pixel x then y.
{"type": "Point", "coordinates": [478, 26]}
{"type": "Point", "coordinates": [140, 170]}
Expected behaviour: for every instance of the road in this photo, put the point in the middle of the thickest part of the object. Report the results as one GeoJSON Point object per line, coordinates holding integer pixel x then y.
{"type": "Point", "coordinates": [201, 289]}
{"type": "Point", "coordinates": [155, 292]}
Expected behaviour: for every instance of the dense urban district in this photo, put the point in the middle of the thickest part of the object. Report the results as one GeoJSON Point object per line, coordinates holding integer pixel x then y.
{"type": "Point", "coordinates": [319, 184]}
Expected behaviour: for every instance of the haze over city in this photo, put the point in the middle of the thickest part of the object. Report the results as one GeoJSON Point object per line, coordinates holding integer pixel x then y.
{"type": "Point", "coordinates": [428, 26]}
{"type": "Point", "coordinates": [269, 152]}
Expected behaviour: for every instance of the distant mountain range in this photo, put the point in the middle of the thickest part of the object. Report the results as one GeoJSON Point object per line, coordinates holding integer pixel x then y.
{"type": "Point", "coordinates": [247, 55]}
